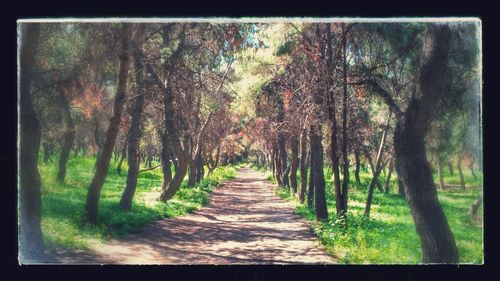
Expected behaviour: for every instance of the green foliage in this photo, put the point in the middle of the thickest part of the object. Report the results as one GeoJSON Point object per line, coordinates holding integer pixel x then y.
{"type": "Point", "coordinates": [63, 204]}
{"type": "Point", "coordinates": [389, 235]}
{"type": "Point", "coordinates": [285, 48]}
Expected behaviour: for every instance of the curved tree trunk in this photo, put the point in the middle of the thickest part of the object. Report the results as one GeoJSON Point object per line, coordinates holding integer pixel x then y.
{"type": "Point", "coordinates": [134, 132]}
{"type": "Point", "coordinates": [123, 154]}
{"type": "Point", "coordinates": [29, 196]}
{"type": "Point", "coordinates": [183, 158]}
{"type": "Point", "coordinates": [378, 167]}
{"type": "Point", "coordinates": [94, 190]}
{"type": "Point", "coordinates": [438, 243]}
{"type": "Point", "coordinates": [69, 136]}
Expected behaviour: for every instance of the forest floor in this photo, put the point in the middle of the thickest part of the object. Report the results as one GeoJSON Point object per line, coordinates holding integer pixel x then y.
{"type": "Point", "coordinates": [245, 222]}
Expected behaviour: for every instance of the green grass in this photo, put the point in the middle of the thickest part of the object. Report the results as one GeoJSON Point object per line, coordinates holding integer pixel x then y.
{"type": "Point", "coordinates": [63, 204]}
{"type": "Point", "coordinates": [389, 235]}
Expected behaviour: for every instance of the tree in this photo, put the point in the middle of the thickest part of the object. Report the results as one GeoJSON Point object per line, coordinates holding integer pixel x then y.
{"type": "Point", "coordinates": [29, 200]}
{"type": "Point", "coordinates": [134, 133]}
{"type": "Point", "coordinates": [95, 187]}
{"type": "Point", "coordinates": [438, 243]}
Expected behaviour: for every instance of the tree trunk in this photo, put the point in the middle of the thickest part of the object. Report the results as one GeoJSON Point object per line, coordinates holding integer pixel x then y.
{"type": "Point", "coordinates": [29, 196]}
{"type": "Point", "coordinates": [165, 159]}
{"type": "Point", "coordinates": [388, 180]}
{"type": "Point", "coordinates": [281, 145]}
{"type": "Point", "coordinates": [123, 154]}
{"type": "Point", "coordinates": [46, 153]}
{"type": "Point", "coordinates": [317, 173]}
{"type": "Point", "coordinates": [450, 167]}
{"type": "Point", "coordinates": [170, 188]}
{"type": "Point", "coordinates": [303, 166]}
{"type": "Point", "coordinates": [378, 167]}
{"type": "Point", "coordinates": [97, 139]}
{"type": "Point", "coordinates": [192, 174]}
{"type": "Point", "coordinates": [283, 162]}
{"type": "Point", "coordinates": [440, 174]}
{"type": "Point", "coordinates": [345, 182]}
{"type": "Point", "coordinates": [471, 168]}
{"type": "Point", "coordinates": [277, 166]}
{"type": "Point", "coordinates": [460, 172]}
{"type": "Point", "coordinates": [69, 136]}
{"type": "Point", "coordinates": [183, 158]}
{"type": "Point", "coordinates": [310, 192]}
{"type": "Point", "coordinates": [438, 243]}
{"type": "Point", "coordinates": [134, 132]}
{"type": "Point", "coordinates": [357, 168]}
{"type": "Point", "coordinates": [401, 188]}
{"type": "Point", "coordinates": [95, 187]}
{"type": "Point", "coordinates": [372, 168]}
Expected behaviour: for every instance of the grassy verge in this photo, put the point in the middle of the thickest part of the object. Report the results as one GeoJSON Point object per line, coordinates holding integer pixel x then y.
{"type": "Point", "coordinates": [63, 204]}
{"type": "Point", "coordinates": [389, 235]}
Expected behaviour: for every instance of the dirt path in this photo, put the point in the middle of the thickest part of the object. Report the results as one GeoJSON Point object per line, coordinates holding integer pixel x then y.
{"type": "Point", "coordinates": [244, 223]}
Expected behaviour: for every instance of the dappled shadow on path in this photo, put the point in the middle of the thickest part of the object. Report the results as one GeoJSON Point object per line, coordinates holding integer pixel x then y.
{"type": "Point", "coordinates": [244, 222]}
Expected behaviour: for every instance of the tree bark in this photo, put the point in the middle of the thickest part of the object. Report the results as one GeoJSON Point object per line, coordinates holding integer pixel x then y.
{"type": "Point", "coordinates": [29, 196]}
{"type": "Point", "coordinates": [69, 136]}
{"type": "Point", "coordinates": [165, 159]}
{"type": "Point", "coordinates": [310, 192]}
{"type": "Point", "coordinates": [95, 187]}
{"type": "Point", "coordinates": [401, 188]}
{"type": "Point", "coordinates": [183, 158]}
{"type": "Point", "coordinates": [303, 166]}
{"type": "Point", "coordinates": [277, 166]}
{"type": "Point", "coordinates": [345, 182]}
{"type": "Point", "coordinates": [134, 132]}
{"type": "Point", "coordinates": [438, 243]}
{"type": "Point", "coordinates": [334, 154]}
{"type": "Point", "coordinates": [46, 153]}
{"type": "Point", "coordinates": [317, 173]}
{"type": "Point", "coordinates": [357, 168]}
{"type": "Point", "coordinates": [281, 144]}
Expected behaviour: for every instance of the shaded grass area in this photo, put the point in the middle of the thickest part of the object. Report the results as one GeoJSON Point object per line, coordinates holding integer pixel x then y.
{"type": "Point", "coordinates": [389, 235]}
{"type": "Point", "coordinates": [63, 204]}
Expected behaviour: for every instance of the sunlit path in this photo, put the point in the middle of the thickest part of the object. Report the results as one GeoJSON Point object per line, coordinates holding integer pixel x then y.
{"type": "Point", "coordinates": [244, 223]}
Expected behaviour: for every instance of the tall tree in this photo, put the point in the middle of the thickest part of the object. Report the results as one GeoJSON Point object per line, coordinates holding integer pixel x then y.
{"type": "Point", "coordinates": [29, 200]}
{"type": "Point", "coordinates": [134, 133]}
{"type": "Point", "coordinates": [438, 243]}
{"type": "Point", "coordinates": [95, 187]}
